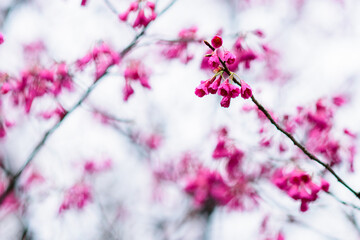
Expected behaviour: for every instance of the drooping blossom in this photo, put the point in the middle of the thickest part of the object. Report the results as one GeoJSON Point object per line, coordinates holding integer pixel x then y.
{"type": "Point", "coordinates": [208, 186]}
{"type": "Point", "coordinates": [135, 72]}
{"type": "Point", "coordinates": [179, 49]}
{"type": "Point", "coordinates": [246, 91]}
{"type": "Point", "coordinates": [77, 197]}
{"type": "Point", "coordinates": [145, 11]}
{"type": "Point", "coordinates": [103, 57]}
{"type": "Point", "coordinates": [299, 186]}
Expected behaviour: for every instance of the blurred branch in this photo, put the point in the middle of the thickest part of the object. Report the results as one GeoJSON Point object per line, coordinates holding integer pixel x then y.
{"type": "Point", "coordinates": [351, 217]}
{"type": "Point", "coordinates": [343, 202]}
{"type": "Point", "coordinates": [6, 12]}
{"type": "Point", "coordinates": [42, 142]}
{"type": "Point", "coordinates": [287, 134]}
{"type": "Point", "coordinates": [111, 7]}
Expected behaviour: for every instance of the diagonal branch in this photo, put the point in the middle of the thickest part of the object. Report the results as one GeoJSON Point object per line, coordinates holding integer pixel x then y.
{"type": "Point", "coordinates": [287, 134]}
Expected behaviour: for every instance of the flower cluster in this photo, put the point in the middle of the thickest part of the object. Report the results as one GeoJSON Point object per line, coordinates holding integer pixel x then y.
{"type": "Point", "coordinates": [37, 82]}
{"type": "Point", "coordinates": [215, 85]}
{"type": "Point", "coordinates": [135, 71]}
{"type": "Point", "coordinates": [207, 187]}
{"type": "Point", "coordinates": [224, 89]}
{"type": "Point", "coordinates": [178, 49]}
{"type": "Point", "coordinates": [219, 54]}
{"type": "Point", "coordinates": [145, 13]}
{"type": "Point", "coordinates": [299, 186]}
{"type": "Point", "coordinates": [78, 196]}
{"type": "Point", "coordinates": [225, 150]}
{"type": "Point", "coordinates": [103, 57]}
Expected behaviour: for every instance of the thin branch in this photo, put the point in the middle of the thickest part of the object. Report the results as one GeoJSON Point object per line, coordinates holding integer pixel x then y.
{"type": "Point", "coordinates": [343, 202]}
{"type": "Point", "coordinates": [13, 180]}
{"type": "Point", "coordinates": [6, 12]}
{"type": "Point", "coordinates": [287, 134]}
{"type": "Point", "coordinates": [111, 7]}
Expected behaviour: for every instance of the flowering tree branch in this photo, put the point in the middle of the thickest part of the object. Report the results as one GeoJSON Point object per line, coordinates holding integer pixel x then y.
{"type": "Point", "coordinates": [287, 134]}
{"type": "Point", "coordinates": [38, 147]}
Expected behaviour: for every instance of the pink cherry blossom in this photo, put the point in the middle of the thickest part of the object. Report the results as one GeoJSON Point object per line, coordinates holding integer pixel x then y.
{"type": "Point", "coordinates": [216, 41]}
{"type": "Point", "coordinates": [246, 91]}
{"type": "Point", "coordinates": [77, 197]}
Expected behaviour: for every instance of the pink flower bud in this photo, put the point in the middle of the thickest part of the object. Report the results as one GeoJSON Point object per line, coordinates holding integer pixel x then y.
{"type": "Point", "coordinates": [225, 102]}
{"type": "Point", "coordinates": [325, 185]}
{"type": "Point", "coordinates": [246, 91]}
{"type": "Point", "coordinates": [229, 57]}
{"type": "Point", "coordinates": [128, 91]}
{"type": "Point", "coordinates": [304, 206]}
{"type": "Point", "coordinates": [133, 6]}
{"type": "Point", "coordinates": [213, 88]}
{"type": "Point", "coordinates": [123, 16]}
{"type": "Point", "coordinates": [151, 5]}
{"type": "Point", "coordinates": [217, 41]}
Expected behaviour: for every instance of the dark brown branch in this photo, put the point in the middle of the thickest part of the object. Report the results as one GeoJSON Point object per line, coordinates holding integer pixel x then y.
{"type": "Point", "coordinates": [287, 134]}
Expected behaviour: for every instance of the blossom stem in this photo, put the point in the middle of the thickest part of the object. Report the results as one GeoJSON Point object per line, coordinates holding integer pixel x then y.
{"type": "Point", "coordinates": [287, 134]}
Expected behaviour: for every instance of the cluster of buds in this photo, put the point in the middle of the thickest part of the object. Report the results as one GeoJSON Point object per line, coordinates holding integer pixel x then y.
{"type": "Point", "coordinates": [219, 54]}
{"type": "Point", "coordinates": [208, 187]}
{"type": "Point", "coordinates": [178, 49]}
{"type": "Point", "coordinates": [145, 13]}
{"type": "Point", "coordinates": [225, 150]}
{"type": "Point", "coordinates": [215, 84]}
{"type": "Point", "coordinates": [78, 196]}
{"type": "Point", "coordinates": [37, 82]}
{"type": "Point", "coordinates": [299, 186]}
{"type": "Point", "coordinates": [135, 71]}
{"type": "Point", "coordinates": [103, 57]}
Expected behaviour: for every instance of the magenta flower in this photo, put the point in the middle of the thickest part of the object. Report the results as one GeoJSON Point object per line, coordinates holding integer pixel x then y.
{"type": "Point", "coordinates": [203, 88]}
{"type": "Point", "coordinates": [224, 88]}
{"type": "Point", "coordinates": [217, 41]}
{"type": "Point", "coordinates": [213, 88]}
{"type": "Point", "coordinates": [227, 89]}
{"type": "Point", "coordinates": [229, 57]}
{"type": "Point", "coordinates": [1, 38]}
{"type": "Point", "coordinates": [246, 91]}
{"type": "Point", "coordinates": [299, 186]}
{"type": "Point", "coordinates": [128, 91]}
{"type": "Point", "coordinates": [220, 150]}
{"type": "Point", "coordinates": [225, 102]}
{"type": "Point", "coordinates": [214, 61]}
{"type": "Point", "coordinates": [78, 196]}
{"type": "Point", "coordinates": [145, 13]}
